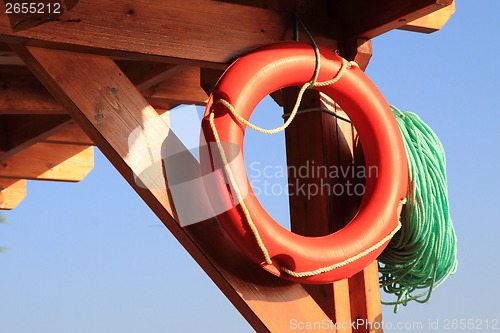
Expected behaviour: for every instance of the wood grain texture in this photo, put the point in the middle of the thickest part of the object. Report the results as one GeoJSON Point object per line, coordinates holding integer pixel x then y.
{"type": "Point", "coordinates": [22, 131]}
{"type": "Point", "coordinates": [164, 85]}
{"type": "Point", "coordinates": [372, 292]}
{"type": "Point", "coordinates": [431, 22]}
{"type": "Point", "coordinates": [47, 161]}
{"type": "Point", "coordinates": [108, 107]}
{"type": "Point", "coordinates": [182, 88]}
{"type": "Point", "coordinates": [353, 19]}
{"type": "Point", "coordinates": [370, 18]}
{"type": "Point", "coordinates": [342, 305]}
{"type": "Point", "coordinates": [309, 139]}
{"type": "Point", "coordinates": [71, 134]}
{"type": "Point", "coordinates": [317, 138]}
{"type": "Point", "coordinates": [175, 30]}
{"type": "Point", "coordinates": [12, 192]}
{"type": "Point", "coordinates": [8, 57]}
{"type": "Point", "coordinates": [362, 304]}
{"type": "Point", "coordinates": [195, 33]}
{"type": "Point", "coordinates": [145, 74]}
{"type": "Point", "coordinates": [22, 93]}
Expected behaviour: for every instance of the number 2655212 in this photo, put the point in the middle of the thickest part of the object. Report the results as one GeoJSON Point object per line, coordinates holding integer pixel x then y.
{"type": "Point", "coordinates": [33, 8]}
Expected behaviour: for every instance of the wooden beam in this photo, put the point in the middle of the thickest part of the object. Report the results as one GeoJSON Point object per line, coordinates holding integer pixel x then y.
{"type": "Point", "coordinates": [431, 22]}
{"type": "Point", "coordinates": [8, 57]}
{"type": "Point", "coordinates": [48, 161]}
{"type": "Point", "coordinates": [372, 297]}
{"type": "Point", "coordinates": [176, 30]}
{"type": "Point", "coordinates": [363, 53]}
{"type": "Point", "coordinates": [323, 140]}
{"type": "Point", "coordinates": [21, 131]}
{"type": "Point", "coordinates": [368, 19]}
{"type": "Point", "coordinates": [363, 287]}
{"type": "Point", "coordinates": [295, 6]}
{"type": "Point", "coordinates": [12, 192]}
{"type": "Point", "coordinates": [267, 302]}
{"type": "Point", "coordinates": [102, 27]}
{"type": "Point", "coordinates": [342, 305]}
{"type": "Point", "coordinates": [145, 74]}
{"type": "Point", "coordinates": [208, 78]}
{"type": "Point", "coordinates": [309, 138]}
{"type": "Point", "coordinates": [182, 88]}
{"type": "Point", "coordinates": [352, 19]}
{"type": "Point", "coordinates": [72, 135]}
{"type": "Point", "coordinates": [22, 93]}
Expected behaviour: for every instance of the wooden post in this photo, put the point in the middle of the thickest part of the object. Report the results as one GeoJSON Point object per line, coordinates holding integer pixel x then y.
{"type": "Point", "coordinates": [316, 141]}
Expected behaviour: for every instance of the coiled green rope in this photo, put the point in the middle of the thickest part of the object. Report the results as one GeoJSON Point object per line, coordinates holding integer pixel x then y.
{"type": "Point", "coordinates": [424, 253]}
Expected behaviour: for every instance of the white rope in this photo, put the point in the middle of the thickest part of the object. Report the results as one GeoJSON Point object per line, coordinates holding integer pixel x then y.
{"type": "Point", "coordinates": [347, 261]}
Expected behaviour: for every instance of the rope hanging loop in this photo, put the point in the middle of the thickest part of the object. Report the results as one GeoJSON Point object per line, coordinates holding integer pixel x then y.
{"type": "Point", "coordinates": [279, 251]}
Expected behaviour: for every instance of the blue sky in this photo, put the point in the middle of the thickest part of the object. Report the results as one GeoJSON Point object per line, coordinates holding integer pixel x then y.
{"type": "Point", "coordinates": [91, 257]}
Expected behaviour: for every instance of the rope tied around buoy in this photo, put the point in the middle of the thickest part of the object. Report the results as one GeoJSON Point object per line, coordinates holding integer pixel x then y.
{"type": "Point", "coordinates": [343, 68]}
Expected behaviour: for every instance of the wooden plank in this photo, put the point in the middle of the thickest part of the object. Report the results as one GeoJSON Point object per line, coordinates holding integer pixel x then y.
{"type": "Point", "coordinates": [359, 296]}
{"type": "Point", "coordinates": [48, 161]}
{"type": "Point", "coordinates": [103, 27]}
{"type": "Point", "coordinates": [342, 304]}
{"type": "Point", "coordinates": [72, 135]}
{"type": "Point", "coordinates": [295, 6]}
{"type": "Point", "coordinates": [364, 287]}
{"type": "Point", "coordinates": [308, 140]}
{"type": "Point", "coordinates": [431, 22]}
{"type": "Point", "coordinates": [346, 207]}
{"type": "Point", "coordinates": [368, 19]}
{"type": "Point", "coordinates": [352, 19]}
{"type": "Point", "coordinates": [145, 74]}
{"type": "Point", "coordinates": [108, 107]}
{"type": "Point", "coordinates": [372, 292]}
{"type": "Point", "coordinates": [208, 78]}
{"type": "Point", "coordinates": [8, 57]}
{"type": "Point", "coordinates": [327, 141]}
{"type": "Point", "coordinates": [305, 140]}
{"type": "Point", "coordinates": [321, 139]}
{"type": "Point", "coordinates": [22, 131]}
{"type": "Point", "coordinates": [12, 192]}
{"type": "Point", "coordinates": [183, 88]}
{"type": "Point", "coordinates": [22, 93]}
{"type": "Point", "coordinates": [363, 305]}
{"type": "Point", "coordinates": [176, 30]}
{"type": "Point", "coordinates": [363, 53]}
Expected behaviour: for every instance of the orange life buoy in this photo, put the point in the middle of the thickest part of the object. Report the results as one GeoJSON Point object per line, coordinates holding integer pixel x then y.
{"type": "Point", "coordinates": [298, 258]}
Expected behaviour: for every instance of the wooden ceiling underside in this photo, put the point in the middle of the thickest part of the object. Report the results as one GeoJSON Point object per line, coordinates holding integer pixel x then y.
{"type": "Point", "coordinates": [163, 48]}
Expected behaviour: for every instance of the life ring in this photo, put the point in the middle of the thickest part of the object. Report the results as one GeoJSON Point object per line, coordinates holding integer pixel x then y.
{"type": "Point", "coordinates": [294, 257]}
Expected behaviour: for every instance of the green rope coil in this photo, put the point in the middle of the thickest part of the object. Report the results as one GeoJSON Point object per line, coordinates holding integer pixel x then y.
{"type": "Point", "coordinates": [423, 254]}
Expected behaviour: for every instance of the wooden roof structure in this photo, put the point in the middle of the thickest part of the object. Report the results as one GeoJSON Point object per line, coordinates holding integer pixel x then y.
{"type": "Point", "coordinates": [90, 74]}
